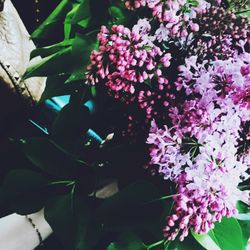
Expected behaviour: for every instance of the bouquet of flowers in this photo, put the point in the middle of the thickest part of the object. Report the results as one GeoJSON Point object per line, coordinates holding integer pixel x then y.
{"type": "Point", "coordinates": [167, 83]}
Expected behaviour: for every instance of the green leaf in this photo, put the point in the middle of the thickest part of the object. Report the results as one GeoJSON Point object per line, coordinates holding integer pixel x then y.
{"type": "Point", "coordinates": [244, 212]}
{"type": "Point", "coordinates": [242, 207]}
{"type": "Point", "coordinates": [127, 241]}
{"type": "Point", "coordinates": [57, 63]}
{"type": "Point", "coordinates": [56, 86]}
{"type": "Point", "coordinates": [206, 240]}
{"type": "Point", "coordinates": [193, 3]}
{"type": "Point", "coordinates": [77, 75]}
{"type": "Point", "coordinates": [58, 213]}
{"type": "Point", "coordinates": [223, 232]}
{"type": "Point", "coordinates": [67, 22]}
{"type": "Point", "coordinates": [54, 21]}
{"type": "Point", "coordinates": [189, 243]}
{"type": "Point", "coordinates": [52, 49]}
{"type": "Point", "coordinates": [117, 14]}
{"type": "Point", "coordinates": [72, 221]}
{"type": "Point", "coordinates": [70, 126]}
{"type": "Point", "coordinates": [245, 227]}
{"type": "Point", "coordinates": [67, 60]}
{"type": "Point", "coordinates": [82, 47]}
{"type": "Point", "coordinates": [221, 236]}
{"type": "Point", "coordinates": [46, 155]}
{"type": "Point", "coordinates": [83, 12]}
{"type": "Point", "coordinates": [244, 221]}
{"type": "Point", "coordinates": [22, 189]}
{"type": "Point", "coordinates": [130, 208]}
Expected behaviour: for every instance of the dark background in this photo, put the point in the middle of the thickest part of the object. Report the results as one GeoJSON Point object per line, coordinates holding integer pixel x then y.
{"type": "Point", "coordinates": [27, 9]}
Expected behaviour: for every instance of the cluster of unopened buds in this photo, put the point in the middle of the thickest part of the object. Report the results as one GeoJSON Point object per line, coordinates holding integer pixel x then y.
{"type": "Point", "coordinates": [125, 62]}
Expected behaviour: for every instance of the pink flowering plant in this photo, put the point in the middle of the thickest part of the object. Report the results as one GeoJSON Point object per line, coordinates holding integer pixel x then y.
{"type": "Point", "coordinates": [186, 65]}
{"type": "Point", "coordinates": [167, 84]}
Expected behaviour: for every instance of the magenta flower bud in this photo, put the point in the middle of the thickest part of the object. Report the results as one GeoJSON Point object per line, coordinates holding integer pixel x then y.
{"type": "Point", "coordinates": [174, 217]}
{"type": "Point", "coordinates": [184, 33]}
{"type": "Point", "coordinates": [158, 72]}
{"type": "Point", "coordinates": [171, 223]}
{"type": "Point", "coordinates": [194, 27]}
{"type": "Point", "coordinates": [150, 66]}
{"type": "Point", "coordinates": [161, 80]}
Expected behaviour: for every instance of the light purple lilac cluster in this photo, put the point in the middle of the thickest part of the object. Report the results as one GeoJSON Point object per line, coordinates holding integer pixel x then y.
{"type": "Point", "coordinates": [206, 149]}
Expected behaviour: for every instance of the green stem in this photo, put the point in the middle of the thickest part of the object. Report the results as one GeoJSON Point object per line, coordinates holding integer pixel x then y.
{"type": "Point", "coordinates": [67, 183]}
{"type": "Point", "coordinates": [241, 12]}
{"type": "Point", "coordinates": [244, 187]}
{"type": "Point", "coordinates": [163, 198]}
{"type": "Point", "coordinates": [72, 195]}
{"type": "Point", "coordinates": [155, 244]}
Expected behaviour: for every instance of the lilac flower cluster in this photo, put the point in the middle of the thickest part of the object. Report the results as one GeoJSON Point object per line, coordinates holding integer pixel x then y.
{"type": "Point", "coordinates": [187, 65]}
{"type": "Point", "coordinates": [202, 151]}
{"type": "Point", "coordinates": [126, 60]}
{"type": "Point", "coordinates": [133, 63]}
{"type": "Point", "coordinates": [177, 18]}
{"type": "Point", "coordinates": [220, 33]}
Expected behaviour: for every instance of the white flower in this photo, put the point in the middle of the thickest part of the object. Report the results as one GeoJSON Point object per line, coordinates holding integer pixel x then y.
{"type": "Point", "coordinates": [162, 33]}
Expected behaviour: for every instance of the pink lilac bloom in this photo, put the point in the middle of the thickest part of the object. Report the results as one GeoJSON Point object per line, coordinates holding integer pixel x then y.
{"type": "Point", "coordinates": [124, 62]}
{"type": "Point", "coordinates": [200, 205]}
{"type": "Point", "coordinates": [127, 60]}
{"type": "Point", "coordinates": [177, 18]}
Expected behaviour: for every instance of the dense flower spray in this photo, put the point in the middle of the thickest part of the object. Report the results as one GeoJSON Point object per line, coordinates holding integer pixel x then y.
{"type": "Point", "coordinates": [204, 152]}
{"type": "Point", "coordinates": [186, 65]}
{"type": "Point", "coordinates": [127, 61]}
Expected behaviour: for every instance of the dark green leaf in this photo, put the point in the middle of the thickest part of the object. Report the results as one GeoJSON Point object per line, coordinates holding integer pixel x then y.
{"type": "Point", "coordinates": [129, 208]}
{"type": "Point", "coordinates": [46, 155]}
{"type": "Point", "coordinates": [82, 47]}
{"type": "Point", "coordinates": [70, 126]}
{"type": "Point", "coordinates": [117, 14]}
{"type": "Point", "coordinates": [54, 21]}
{"type": "Point", "coordinates": [60, 62]}
{"type": "Point", "coordinates": [60, 216]}
{"type": "Point", "coordinates": [77, 75]}
{"type": "Point", "coordinates": [22, 190]}
{"type": "Point", "coordinates": [47, 51]}
{"type": "Point", "coordinates": [83, 12]}
{"type": "Point", "coordinates": [71, 220]}
{"type": "Point", "coordinates": [189, 243]}
{"type": "Point", "coordinates": [55, 86]}
{"type": "Point", "coordinates": [67, 22]}
{"type": "Point", "coordinates": [245, 227]}
{"type": "Point", "coordinates": [243, 208]}
{"type": "Point", "coordinates": [127, 241]}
